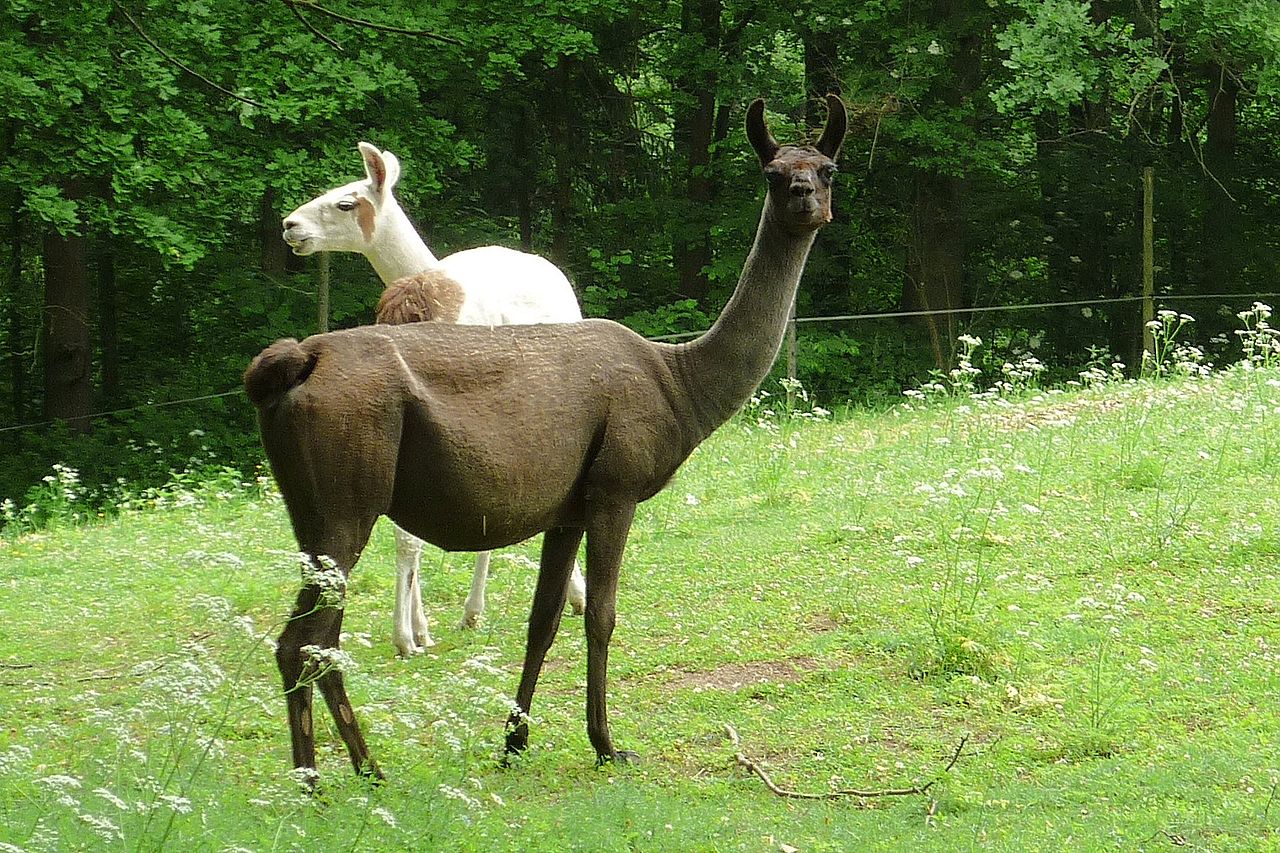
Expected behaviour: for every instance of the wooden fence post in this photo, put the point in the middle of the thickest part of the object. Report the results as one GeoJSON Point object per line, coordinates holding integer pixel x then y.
{"type": "Point", "coordinates": [1148, 258]}
{"type": "Point", "coordinates": [791, 357]}
{"type": "Point", "coordinates": [322, 292]}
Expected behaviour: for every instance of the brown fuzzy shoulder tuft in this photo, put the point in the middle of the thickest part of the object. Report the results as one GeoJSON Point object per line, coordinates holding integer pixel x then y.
{"type": "Point", "coordinates": [430, 295]}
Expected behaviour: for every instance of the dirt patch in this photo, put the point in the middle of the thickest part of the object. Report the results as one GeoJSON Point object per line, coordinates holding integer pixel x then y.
{"type": "Point", "coordinates": [821, 623]}
{"type": "Point", "coordinates": [734, 676]}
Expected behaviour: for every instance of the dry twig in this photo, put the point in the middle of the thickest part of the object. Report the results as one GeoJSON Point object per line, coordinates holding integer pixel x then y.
{"type": "Point", "coordinates": [744, 761]}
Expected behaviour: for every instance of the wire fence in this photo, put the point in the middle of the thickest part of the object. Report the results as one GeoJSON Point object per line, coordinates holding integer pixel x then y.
{"type": "Point", "coordinates": [681, 336]}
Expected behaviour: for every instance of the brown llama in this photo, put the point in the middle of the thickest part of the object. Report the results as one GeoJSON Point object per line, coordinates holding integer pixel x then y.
{"type": "Point", "coordinates": [475, 438]}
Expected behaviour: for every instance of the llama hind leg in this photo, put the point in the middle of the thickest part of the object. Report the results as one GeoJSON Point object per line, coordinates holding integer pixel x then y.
{"type": "Point", "coordinates": [474, 607]}
{"type": "Point", "coordinates": [421, 630]}
{"type": "Point", "coordinates": [558, 549]}
{"type": "Point", "coordinates": [303, 657]}
{"type": "Point", "coordinates": [330, 680]}
{"type": "Point", "coordinates": [410, 633]}
{"type": "Point", "coordinates": [576, 591]}
{"type": "Point", "coordinates": [606, 538]}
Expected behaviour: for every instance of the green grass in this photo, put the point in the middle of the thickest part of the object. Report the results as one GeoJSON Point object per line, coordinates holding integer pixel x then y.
{"type": "Point", "coordinates": [1083, 583]}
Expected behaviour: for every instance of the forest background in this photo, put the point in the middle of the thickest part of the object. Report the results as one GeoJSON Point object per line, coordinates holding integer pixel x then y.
{"type": "Point", "coordinates": [151, 147]}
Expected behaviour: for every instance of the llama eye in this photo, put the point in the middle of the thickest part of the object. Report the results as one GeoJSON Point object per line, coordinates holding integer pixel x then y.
{"type": "Point", "coordinates": [346, 204]}
{"type": "Point", "coordinates": [829, 171]}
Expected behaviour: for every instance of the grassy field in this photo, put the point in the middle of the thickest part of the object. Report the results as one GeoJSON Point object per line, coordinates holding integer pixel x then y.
{"type": "Point", "coordinates": [1084, 584]}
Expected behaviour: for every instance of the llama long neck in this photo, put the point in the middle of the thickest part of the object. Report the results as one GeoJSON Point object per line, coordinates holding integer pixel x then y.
{"type": "Point", "coordinates": [397, 250]}
{"type": "Point", "coordinates": [723, 367]}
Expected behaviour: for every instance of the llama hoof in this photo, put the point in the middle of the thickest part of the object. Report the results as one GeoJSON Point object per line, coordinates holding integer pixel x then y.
{"type": "Point", "coordinates": [577, 607]}
{"type": "Point", "coordinates": [372, 773]}
{"type": "Point", "coordinates": [408, 648]}
{"type": "Point", "coordinates": [516, 741]}
{"type": "Point", "coordinates": [620, 756]}
{"type": "Point", "coordinates": [470, 622]}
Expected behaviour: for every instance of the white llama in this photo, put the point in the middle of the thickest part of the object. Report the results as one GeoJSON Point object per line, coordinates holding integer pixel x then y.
{"type": "Point", "coordinates": [499, 286]}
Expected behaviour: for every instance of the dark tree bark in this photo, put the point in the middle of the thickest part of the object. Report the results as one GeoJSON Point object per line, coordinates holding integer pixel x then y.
{"type": "Point", "coordinates": [937, 235]}
{"type": "Point", "coordinates": [821, 74]}
{"type": "Point", "coordinates": [524, 178]}
{"type": "Point", "coordinates": [694, 133]}
{"type": "Point", "coordinates": [561, 137]}
{"type": "Point", "coordinates": [937, 230]}
{"type": "Point", "coordinates": [68, 388]}
{"type": "Point", "coordinates": [17, 328]}
{"type": "Point", "coordinates": [829, 289]}
{"type": "Point", "coordinates": [275, 252]}
{"type": "Point", "coordinates": [108, 323]}
{"type": "Point", "coordinates": [1221, 228]}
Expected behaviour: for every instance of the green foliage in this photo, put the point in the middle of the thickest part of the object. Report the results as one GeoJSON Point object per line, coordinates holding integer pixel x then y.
{"type": "Point", "coordinates": [1019, 128]}
{"type": "Point", "coordinates": [676, 318]}
{"type": "Point", "coordinates": [1060, 55]}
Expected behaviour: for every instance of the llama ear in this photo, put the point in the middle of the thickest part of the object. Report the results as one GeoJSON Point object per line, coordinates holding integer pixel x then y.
{"type": "Point", "coordinates": [375, 166]}
{"type": "Point", "coordinates": [758, 134]}
{"type": "Point", "coordinates": [837, 123]}
{"type": "Point", "coordinates": [392, 164]}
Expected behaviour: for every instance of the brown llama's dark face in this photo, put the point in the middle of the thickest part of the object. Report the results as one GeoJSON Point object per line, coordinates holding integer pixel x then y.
{"type": "Point", "coordinates": [799, 176]}
{"type": "Point", "coordinates": [800, 186]}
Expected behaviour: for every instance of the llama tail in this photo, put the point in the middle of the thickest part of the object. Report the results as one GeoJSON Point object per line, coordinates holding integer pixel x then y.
{"type": "Point", "coordinates": [277, 369]}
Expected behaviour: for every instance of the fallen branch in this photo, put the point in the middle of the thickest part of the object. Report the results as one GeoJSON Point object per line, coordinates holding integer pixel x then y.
{"type": "Point", "coordinates": [744, 761]}
{"type": "Point", "coordinates": [130, 671]}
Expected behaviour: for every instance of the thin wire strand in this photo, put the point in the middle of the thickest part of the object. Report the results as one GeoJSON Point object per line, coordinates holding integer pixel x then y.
{"type": "Point", "coordinates": [37, 424]}
{"type": "Point", "coordinates": [982, 309]}
{"type": "Point", "coordinates": [679, 336]}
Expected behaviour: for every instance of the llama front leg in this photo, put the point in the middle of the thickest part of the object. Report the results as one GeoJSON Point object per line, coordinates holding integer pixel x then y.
{"type": "Point", "coordinates": [558, 549]}
{"type": "Point", "coordinates": [575, 592]}
{"type": "Point", "coordinates": [607, 532]}
{"type": "Point", "coordinates": [410, 633]}
{"type": "Point", "coordinates": [473, 609]}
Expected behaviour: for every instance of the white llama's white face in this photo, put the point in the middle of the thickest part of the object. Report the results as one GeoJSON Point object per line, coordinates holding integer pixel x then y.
{"type": "Point", "coordinates": [346, 219]}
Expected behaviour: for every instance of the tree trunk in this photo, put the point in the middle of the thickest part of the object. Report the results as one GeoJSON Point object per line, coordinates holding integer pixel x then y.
{"type": "Point", "coordinates": [275, 252]}
{"type": "Point", "coordinates": [694, 133]}
{"type": "Point", "coordinates": [108, 324]}
{"type": "Point", "coordinates": [17, 328]}
{"type": "Point", "coordinates": [524, 177]}
{"type": "Point", "coordinates": [68, 389]}
{"type": "Point", "coordinates": [560, 135]}
{"type": "Point", "coordinates": [1221, 229]}
{"type": "Point", "coordinates": [937, 235]}
{"type": "Point", "coordinates": [821, 75]}
{"type": "Point", "coordinates": [830, 287]}
{"type": "Point", "coordinates": [937, 231]}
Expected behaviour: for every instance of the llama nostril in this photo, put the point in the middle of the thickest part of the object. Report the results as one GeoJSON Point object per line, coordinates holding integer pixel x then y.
{"type": "Point", "coordinates": [801, 190]}
{"type": "Point", "coordinates": [290, 223]}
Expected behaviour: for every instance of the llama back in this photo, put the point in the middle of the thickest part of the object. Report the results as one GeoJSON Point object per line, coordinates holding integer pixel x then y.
{"type": "Point", "coordinates": [506, 287]}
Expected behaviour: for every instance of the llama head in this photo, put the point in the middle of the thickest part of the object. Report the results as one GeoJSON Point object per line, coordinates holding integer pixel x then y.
{"type": "Point", "coordinates": [348, 218]}
{"type": "Point", "coordinates": [799, 176]}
